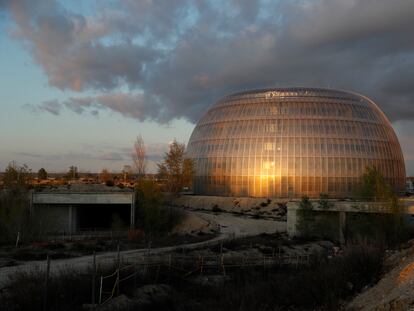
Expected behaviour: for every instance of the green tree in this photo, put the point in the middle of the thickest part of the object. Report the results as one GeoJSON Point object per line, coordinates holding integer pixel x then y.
{"type": "Point", "coordinates": [373, 186]}
{"type": "Point", "coordinates": [42, 174]}
{"type": "Point", "coordinates": [389, 228]}
{"type": "Point", "coordinates": [305, 203]}
{"type": "Point", "coordinates": [177, 170]}
{"type": "Point", "coordinates": [149, 200]}
{"type": "Point", "coordinates": [305, 215]}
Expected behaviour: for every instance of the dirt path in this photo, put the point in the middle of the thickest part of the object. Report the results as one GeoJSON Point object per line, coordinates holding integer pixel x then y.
{"type": "Point", "coordinates": [231, 226]}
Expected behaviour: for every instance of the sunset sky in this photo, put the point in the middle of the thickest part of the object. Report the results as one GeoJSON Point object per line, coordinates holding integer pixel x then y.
{"type": "Point", "coordinates": [79, 80]}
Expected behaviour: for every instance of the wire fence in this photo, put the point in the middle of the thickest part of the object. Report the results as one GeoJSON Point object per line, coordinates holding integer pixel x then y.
{"type": "Point", "coordinates": [187, 265]}
{"type": "Point", "coordinates": [86, 235]}
{"type": "Point", "coordinates": [127, 267]}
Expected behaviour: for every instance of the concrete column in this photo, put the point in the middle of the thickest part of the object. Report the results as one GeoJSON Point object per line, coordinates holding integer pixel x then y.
{"type": "Point", "coordinates": [132, 214]}
{"type": "Point", "coordinates": [31, 202]}
{"type": "Point", "coordinates": [70, 222]}
{"type": "Point", "coordinates": [342, 227]}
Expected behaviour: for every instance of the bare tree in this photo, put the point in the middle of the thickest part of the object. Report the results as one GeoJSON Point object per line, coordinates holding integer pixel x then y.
{"type": "Point", "coordinates": [16, 176]}
{"type": "Point", "coordinates": [139, 157]}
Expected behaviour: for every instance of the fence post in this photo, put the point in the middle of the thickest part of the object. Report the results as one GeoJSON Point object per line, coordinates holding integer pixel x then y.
{"type": "Point", "coordinates": [17, 239]}
{"type": "Point", "coordinates": [45, 307]}
{"type": "Point", "coordinates": [135, 276]}
{"type": "Point", "coordinates": [93, 279]}
{"type": "Point", "coordinates": [100, 290]}
{"type": "Point", "coordinates": [222, 264]}
{"type": "Point", "coordinates": [117, 274]}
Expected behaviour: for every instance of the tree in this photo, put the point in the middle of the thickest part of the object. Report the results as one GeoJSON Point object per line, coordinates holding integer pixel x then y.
{"type": "Point", "coordinates": [42, 174]}
{"type": "Point", "coordinates": [72, 173]}
{"type": "Point", "coordinates": [105, 176]}
{"type": "Point", "coordinates": [16, 176]}
{"type": "Point", "coordinates": [305, 215]}
{"type": "Point", "coordinates": [139, 157]}
{"type": "Point", "coordinates": [390, 228]}
{"type": "Point", "coordinates": [177, 170]}
{"type": "Point", "coordinates": [373, 186]}
{"type": "Point", "coordinates": [126, 172]}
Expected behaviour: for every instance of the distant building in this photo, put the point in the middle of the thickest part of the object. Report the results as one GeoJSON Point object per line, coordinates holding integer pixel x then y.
{"type": "Point", "coordinates": [293, 142]}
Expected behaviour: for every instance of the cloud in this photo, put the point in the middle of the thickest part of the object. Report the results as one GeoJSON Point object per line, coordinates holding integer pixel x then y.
{"type": "Point", "coordinates": [50, 106]}
{"type": "Point", "coordinates": [133, 105]}
{"type": "Point", "coordinates": [161, 60]}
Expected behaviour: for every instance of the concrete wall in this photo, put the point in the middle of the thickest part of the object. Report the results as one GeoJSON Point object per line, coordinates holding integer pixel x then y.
{"type": "Point", "coordinates": [55, 218]}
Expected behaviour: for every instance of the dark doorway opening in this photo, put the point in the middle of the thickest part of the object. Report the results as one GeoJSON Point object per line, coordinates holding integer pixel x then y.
{"type": "Point", "coordinates": [103, 216]}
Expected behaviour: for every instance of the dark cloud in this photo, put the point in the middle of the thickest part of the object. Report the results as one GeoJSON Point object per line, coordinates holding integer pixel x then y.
{"type": "Point", "coordinates": [177, 57]}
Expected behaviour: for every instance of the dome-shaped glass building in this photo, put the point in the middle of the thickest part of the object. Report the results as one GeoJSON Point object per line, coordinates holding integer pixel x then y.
{"type": "Point", "coordinates": [292, 142]}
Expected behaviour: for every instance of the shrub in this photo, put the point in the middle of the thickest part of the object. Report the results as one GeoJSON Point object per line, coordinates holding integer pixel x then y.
{"type": "Point", "coordinates": [110, 183]}
{"type": "Point", "coordinates": [323, 201]}
{"type": "Point", "coordinates": [135, 234]}
{"type": "Point", "coordinates": [216, 209]}
{"type": "Point", "coordinates": [151, 214]}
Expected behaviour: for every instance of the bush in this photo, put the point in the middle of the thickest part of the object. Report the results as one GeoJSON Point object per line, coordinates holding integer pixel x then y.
{"type": "Point", "coordinates": [110, 183]}
{"type": "Point", "coordinates": [151, 214]}
{"type": "Point", "coordinates": [324, 202]}
{"type": "Point", "coordinates": [15, 218]}
{"type": "Point", "coordinates": [216, 209]}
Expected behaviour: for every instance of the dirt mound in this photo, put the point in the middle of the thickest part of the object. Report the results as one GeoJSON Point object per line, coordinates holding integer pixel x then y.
{"type": "Point", "coordinates": [194, 225]}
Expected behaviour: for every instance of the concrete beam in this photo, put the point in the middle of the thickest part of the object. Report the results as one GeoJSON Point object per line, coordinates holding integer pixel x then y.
{"type": "Point", "coordinates": [83, 198]}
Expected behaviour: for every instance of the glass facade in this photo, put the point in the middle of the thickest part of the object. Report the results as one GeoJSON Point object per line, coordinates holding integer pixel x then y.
{"type": "Point", "coordinates": [292, 142]}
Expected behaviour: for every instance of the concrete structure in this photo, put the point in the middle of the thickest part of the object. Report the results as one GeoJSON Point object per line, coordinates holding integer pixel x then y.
{"type": "Point", "coordinates": [65, 209]}
{"type": "Point", "coordinates": [291, 142]}
{"type": "Point", "coordinates": [340, 209]}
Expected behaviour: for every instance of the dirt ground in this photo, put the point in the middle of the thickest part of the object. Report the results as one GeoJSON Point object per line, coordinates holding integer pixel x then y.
{"type": "Point", "coordinates": [395, 290]}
